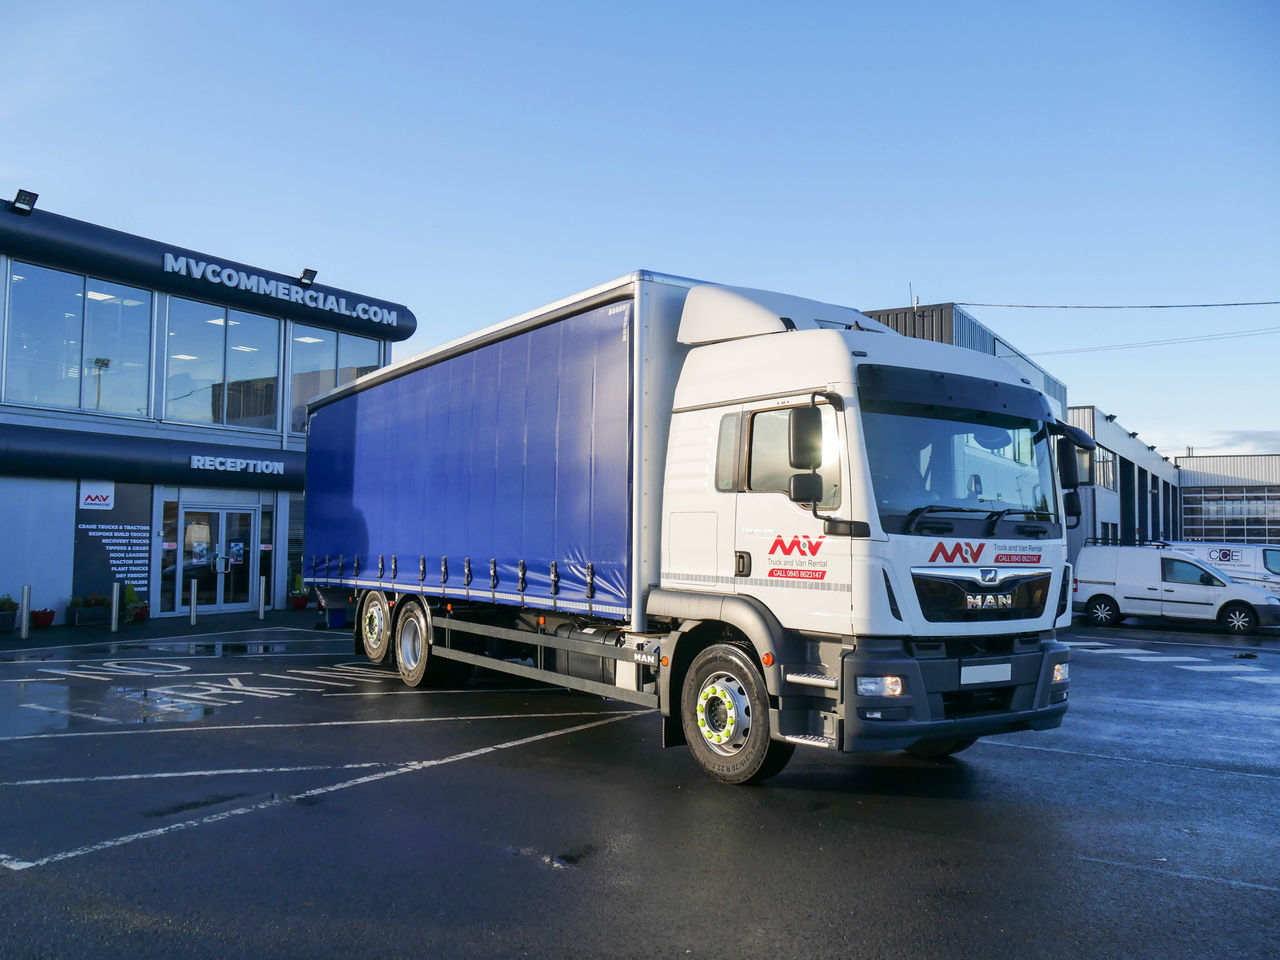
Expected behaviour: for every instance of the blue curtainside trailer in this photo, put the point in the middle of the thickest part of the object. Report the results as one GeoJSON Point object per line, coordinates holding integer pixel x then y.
{"type": "Point", "coordinates": [500, 473]}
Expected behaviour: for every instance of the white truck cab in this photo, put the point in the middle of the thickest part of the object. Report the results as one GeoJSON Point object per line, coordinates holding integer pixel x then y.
{"type": "Point", "coordinates": [1154, 580]}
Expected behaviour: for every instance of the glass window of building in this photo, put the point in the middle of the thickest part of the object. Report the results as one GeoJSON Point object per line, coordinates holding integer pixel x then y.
{"type": "Point", "coordinates": [356, 357]}
{"type": "Point", "coordinates": [253, 370]}
{"type": "Point", "coordinates": [314, 368]}
{"type": "Point", "coordinates": [1104, 468]}
{"type": "Point", "coordinates": [77, 343]}
{"type": "Point", "coordinates": [196, 358]}
{"type": "Point", "coordinates": [117, 349]}
{"type": "Point", "coordinates": [224, 366]}
{"type": "Point", "coordinates": [46, 319]}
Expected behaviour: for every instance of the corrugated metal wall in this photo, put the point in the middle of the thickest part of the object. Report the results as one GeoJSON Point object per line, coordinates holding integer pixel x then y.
{"type": "Point", "coordinates": [1261, 469]}
{"type": "Point", "coordinates": [932, 322]}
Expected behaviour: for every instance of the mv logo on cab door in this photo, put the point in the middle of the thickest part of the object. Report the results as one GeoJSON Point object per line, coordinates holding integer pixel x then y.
{"type": "Point", "coordinates": [957, 553]}
{"type": "Point", "coordinates": [802, 567]}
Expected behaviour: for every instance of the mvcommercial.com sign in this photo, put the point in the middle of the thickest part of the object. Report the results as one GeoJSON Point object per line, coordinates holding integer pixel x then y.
{"type": "Point", "coordinates": [216, 273]}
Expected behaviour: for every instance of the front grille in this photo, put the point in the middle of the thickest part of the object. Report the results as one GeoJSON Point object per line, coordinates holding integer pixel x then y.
{"type": "Point", "coordinates": [957, 704]}
{"type": "Point", "coordinates": [951, 600]}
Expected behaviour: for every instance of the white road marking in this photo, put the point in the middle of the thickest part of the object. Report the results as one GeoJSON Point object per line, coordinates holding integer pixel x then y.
{"type": "Point", "coordinates": [195, 773]}
{"type": "Point", "coordinates": [1118, 650]}
{"type": "Point", "coordinates": [1261, 679]}
{"type": "Point", "coordinates": [1085, 643]}
{"type": "Point", "coordinates": [294, 726]}
{"type": "Point", "coordinates": [1165, 658]}
{"type": "Point", "coordinates": [1224, 668]}
{"type": "Point", "coordinates": [436, 693]}
{"type": "Point", "coordinates": [69, 713]}
{"type": "Point", "coordinates": [14, 864]}
{"type": "Point", "coordinates": [1181, 876]}
{"type": "Point", "coordinates": [180, 638]}
{"type": "Point", "coordinates": [1119, 759]}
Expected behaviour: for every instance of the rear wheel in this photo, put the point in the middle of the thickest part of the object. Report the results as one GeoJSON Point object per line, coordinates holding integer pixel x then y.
{"type": "Point", "coordinates": [937, 749]}
{"type": "Point", "coordinates": [413, 642]}
{"type": "Point", "coordinates": [374, 626]}
{"type": "Point", "coordinates": [1239, 619]}
{"type": "Point", "coordinates": [1103, 612]}
{"type": "Point", "coordinates": [724, 708]}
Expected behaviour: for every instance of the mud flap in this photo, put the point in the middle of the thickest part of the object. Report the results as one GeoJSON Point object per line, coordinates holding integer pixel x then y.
{"type": "Point", "coordinates": [672, 732]}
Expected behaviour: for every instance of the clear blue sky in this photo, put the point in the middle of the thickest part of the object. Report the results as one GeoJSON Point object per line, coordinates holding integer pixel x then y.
{"type": "Point", "coordinates": [476, 160]}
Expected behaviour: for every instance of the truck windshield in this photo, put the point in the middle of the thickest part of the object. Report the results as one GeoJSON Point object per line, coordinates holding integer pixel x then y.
{"type": "Point", "coordinates": [958, 470]}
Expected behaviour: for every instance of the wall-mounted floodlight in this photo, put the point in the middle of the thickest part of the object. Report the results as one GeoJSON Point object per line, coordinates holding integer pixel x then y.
{"type": "Point", "coordinates": [1133, 435]}
{"type": "Point", "coordinates": [1110, 417]}
{"type": "Point", "coordinates": [1152, 447]}
{"type": "Point", "coordinates": [24, 202]}
{"type": "Point", "coordinates": [308, 277]}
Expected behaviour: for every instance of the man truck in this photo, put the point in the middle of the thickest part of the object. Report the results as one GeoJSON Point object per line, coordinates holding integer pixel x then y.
{"type": "Point", "coordinates": [774, 520]}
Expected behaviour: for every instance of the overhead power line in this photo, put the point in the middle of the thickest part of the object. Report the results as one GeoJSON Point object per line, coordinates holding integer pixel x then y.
{"type": "Point", "coordinates": [1120, 306]}
{"type": "Point", "coordinates": [1227, 335]}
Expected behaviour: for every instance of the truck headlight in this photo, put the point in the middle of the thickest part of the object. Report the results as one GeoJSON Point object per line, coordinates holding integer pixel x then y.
{"type": "Point", "coordinates": [880, 686]}
{"type": "Point", "coordinates": [1061, 672]}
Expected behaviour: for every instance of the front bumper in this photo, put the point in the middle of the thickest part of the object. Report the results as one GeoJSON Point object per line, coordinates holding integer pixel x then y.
{"type": "Point", "coordinates": [1268, 614]}
{"type": "Point", "coordinates": [938, 703]}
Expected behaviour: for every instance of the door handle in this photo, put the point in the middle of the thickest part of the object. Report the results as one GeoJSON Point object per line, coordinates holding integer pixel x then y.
{"type": "Point", "coordinates": [741, 563]}
{"type": "Point", "coordinates": [1153, 588]}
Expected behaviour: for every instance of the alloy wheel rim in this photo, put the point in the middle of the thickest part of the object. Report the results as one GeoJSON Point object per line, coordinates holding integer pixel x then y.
{"type": "Point", "coordinates": [724, 714]}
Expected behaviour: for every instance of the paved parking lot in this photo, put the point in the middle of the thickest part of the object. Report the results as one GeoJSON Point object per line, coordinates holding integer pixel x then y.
{"type": "Point", "coordinates": [262, 791]}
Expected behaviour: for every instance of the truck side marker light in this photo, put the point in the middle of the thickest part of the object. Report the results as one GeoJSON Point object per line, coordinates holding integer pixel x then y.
{"type": "Point", "coordinates": [767, 660]}
{"type": "Point", "coordinates": [542, 621]}
{"type": "Point", "coordinates": [448, 608]}
{"type": "Point", "coordinates": [666, 661]}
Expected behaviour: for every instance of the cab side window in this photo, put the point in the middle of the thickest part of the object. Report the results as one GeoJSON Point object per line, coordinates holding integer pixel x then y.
{"type": "Point", "coordinates": [769, 464]}
{"type": "Point", "coordinates": [1271, 560]}
{"type": "Point", "coordinates": [727, 454]}
{"type": "Point", "coordinates": [1183, 571]}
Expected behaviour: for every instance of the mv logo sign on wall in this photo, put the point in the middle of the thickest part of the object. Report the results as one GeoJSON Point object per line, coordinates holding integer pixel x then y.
{"type": "Point", "coordinates": [97, 494]}
{"type": "Point", "coordinates": [957, 553]}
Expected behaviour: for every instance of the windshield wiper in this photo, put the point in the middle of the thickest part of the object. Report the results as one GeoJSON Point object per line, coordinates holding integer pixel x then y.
{"type": "Point", "coordinates": [919, 513]}
{"type": "Point", "coordinates": [993, 519]}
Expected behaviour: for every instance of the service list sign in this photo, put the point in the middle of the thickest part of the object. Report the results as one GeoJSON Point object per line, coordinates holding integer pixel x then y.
{"type": "Point", "coordinates": [113, 538]}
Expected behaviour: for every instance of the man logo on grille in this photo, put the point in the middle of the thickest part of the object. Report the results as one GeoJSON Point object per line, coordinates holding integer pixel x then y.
{"type": "Point", "coordinates": [989, 574]}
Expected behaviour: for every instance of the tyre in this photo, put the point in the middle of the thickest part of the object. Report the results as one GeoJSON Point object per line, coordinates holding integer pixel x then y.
{"type": "Point", "coordinates": [724, 708]}
{"type": "Point", "coordinates": [1238, 618]}
{"type": "Point", "coordinates": [413, 642]}
{"type": "Point", "coordinates": [1103, 612]}
{"type": "Point", "coordinates": [937, 749]}
{"type": "Point", "coordinates": [374, 626]}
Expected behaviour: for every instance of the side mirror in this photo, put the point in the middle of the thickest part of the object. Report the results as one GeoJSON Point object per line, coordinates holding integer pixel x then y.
{"type": "Point", "coordinates": [805, 488]}
{"type": "Point", "coordinates": [1068, 472]}
{"type": "Point", "coordinates": [1072, 507]}
{"type": "Point", "coordinates": [1206, 580]}
{"type": "Point", "coordinates": [805, 439]}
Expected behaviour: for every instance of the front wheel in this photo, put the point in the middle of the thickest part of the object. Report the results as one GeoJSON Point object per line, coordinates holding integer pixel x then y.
{"type": "Point", "coordinates": [374, 626]}
{"type": "Point", "coordinates": [1103, 612]}
{"type": "Point", "coordinates": [937, 749]}
{"type": "Point", "coordinates": [724, 708]}
{"type": "Point", "coordinates": [1238, 619]}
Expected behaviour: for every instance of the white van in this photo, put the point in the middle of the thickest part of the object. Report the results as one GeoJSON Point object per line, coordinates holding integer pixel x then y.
{"type": "Point", "coordinates": [1255, 564]}
{"type": "Point", "coordinates": [1112, 583]}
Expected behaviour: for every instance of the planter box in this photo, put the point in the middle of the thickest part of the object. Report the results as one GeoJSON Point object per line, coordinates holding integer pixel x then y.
{"type": "Point", "coordinates": [40, 619]}
{"type": "Point", "coordinates": [88, 616]}
{"type": "Point", "coordinates": [8, 620]}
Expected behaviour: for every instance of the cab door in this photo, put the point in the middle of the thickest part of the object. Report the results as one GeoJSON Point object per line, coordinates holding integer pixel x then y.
{"type": "Point", "coordinates": [1189, 590]}
{"type": "Point", "coordinates": [783, 555]}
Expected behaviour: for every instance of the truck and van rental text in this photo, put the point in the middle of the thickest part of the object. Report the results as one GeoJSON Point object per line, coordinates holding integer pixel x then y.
{"type": "Point", "coordinates": [775, 520]}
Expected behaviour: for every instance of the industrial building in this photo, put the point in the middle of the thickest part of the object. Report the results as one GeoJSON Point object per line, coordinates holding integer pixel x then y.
{"type": "Point", "coordinates": [1131, 492]}
{"type": "Point", "coordinates": [152, 412]}
{"type": "Point", "coordinates": [1231, 499]}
